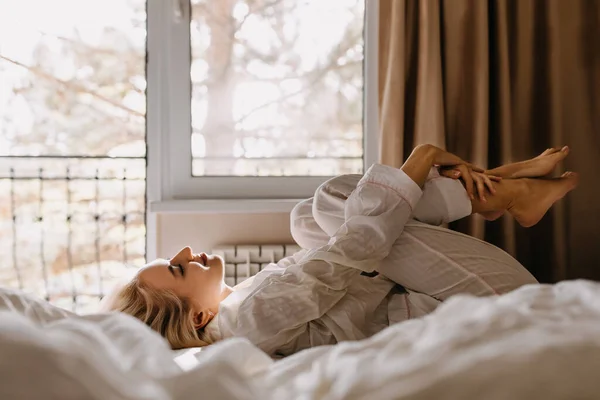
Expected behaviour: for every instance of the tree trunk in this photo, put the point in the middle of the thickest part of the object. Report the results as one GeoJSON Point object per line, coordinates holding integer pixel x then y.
{"type": "Point", "coordinates": [219, 127]}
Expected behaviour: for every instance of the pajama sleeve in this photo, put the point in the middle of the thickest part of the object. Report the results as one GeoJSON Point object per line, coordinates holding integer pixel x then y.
{"type": "Point", "coordinates": [282, 307]}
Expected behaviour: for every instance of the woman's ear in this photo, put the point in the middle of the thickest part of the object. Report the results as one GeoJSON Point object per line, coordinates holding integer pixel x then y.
{"type": "Point", "coordinates": [201, 318]}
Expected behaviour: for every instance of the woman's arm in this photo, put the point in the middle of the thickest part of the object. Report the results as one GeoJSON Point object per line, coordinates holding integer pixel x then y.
{"type": "Point", "coordinates": [419, 163]}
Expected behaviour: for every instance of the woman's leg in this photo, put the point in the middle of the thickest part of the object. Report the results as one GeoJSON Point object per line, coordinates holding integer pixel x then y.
{"type": "Point", "coordinates": [541, 165]}
{"type": "Point", "coordinates": [305, 230]}
{"type": "Point", "coordinates": [527, 200]}
{"type": "Point", "coordinates": [443, 200]}
{"type": "Point", "coordinates": [440, 262]}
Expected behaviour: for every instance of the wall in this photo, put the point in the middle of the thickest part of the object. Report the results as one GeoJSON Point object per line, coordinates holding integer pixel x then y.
{"type": "Point", "coordinates": [205, 231]}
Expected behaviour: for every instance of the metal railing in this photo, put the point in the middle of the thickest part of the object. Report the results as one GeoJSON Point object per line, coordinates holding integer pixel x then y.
{"type": "Point", "coordinates": [70, 226]}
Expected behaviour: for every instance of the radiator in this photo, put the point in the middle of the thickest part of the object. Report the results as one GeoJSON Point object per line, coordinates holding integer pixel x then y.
{"type": "Point", "coordinates": [244, 261]}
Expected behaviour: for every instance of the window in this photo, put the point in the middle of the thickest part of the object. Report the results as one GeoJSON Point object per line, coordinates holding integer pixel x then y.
{"type": "Point", "coordinates": [261, 99]}
{"type": "Point", "coordinates": [72, 146]}
{"type": "Point", "coordinates": [259, 69]}
{"type": "Point", "coordinates": [211, 99]}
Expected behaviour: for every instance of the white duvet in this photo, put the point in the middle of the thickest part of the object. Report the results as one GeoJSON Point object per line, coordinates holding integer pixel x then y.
{"type": "Point", "coordinates": [539, 342]}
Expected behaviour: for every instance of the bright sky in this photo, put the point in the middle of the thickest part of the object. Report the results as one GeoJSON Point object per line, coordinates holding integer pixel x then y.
{"type": "Point", "coordinates": [21, 29]}
{"type": "Point", "coordinates": [21, 22]}
{"type": "Point", "coordinates": [321, 26]}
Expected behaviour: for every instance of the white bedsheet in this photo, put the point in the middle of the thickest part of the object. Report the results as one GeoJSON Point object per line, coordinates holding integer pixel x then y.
{"type": "Point", "coordinates": [539, 342]}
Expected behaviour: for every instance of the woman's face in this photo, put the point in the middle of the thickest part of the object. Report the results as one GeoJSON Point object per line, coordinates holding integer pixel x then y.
{"type": "Point", "coordinates": [198, 277]}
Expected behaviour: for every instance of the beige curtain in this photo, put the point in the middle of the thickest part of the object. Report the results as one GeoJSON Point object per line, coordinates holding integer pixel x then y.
{"type": "Point", "coordinates": [496, 81]}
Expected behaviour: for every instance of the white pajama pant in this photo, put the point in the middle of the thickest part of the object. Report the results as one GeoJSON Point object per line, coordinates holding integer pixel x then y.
{"type": "Point", "coordinates": [426, 258]}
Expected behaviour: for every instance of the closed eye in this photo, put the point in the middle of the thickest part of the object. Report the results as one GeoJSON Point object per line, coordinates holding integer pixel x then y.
{"type": "Point", "coordinates": [170, 268]}
{"type": "Point", "coordinates": [179, 267]}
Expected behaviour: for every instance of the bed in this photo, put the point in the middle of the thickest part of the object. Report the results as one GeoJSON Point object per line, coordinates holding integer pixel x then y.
{"type": "Point", "coordinates": [538, 342]}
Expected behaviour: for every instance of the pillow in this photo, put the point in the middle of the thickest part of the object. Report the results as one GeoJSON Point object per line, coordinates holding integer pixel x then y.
{"type": "Point", "coordinates": [30, 306]}
{"type": "Point", "coordinates": [25, 318]}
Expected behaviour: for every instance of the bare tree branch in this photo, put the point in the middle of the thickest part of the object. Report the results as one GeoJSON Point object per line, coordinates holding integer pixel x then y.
{"type": "Point", "coordinates": [257, 10]}
{"type": "Point", "coordinates": [273, 57]}
{"type": "Point", "coordinates": [317, 76]}
{"type": "Point", "coordinates": [97, 51]}
{"type": "Point", "coordinates": [77, 43]}
{"type": "Point", "coordinates": [335, 67]}
{"type": "Point", "coordinates": [74, 87]}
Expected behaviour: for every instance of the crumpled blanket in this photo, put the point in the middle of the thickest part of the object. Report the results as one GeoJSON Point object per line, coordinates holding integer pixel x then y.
{"type": "Point", "coordinates": [538, 342]}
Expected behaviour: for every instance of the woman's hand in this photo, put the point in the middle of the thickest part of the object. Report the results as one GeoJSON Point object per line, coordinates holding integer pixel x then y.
{"type": "Point", "coordinates": [425, 156]}
{"type": "Point", "coordinates": [474, 180]}
{"type": "Point", "coordinates": [455, 167]}
{"type": "Point", "coordinates": [445, 159]}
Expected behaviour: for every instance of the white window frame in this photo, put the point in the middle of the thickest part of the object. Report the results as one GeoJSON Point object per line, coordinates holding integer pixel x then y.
{"type": "Point", "coordinates": [171, 186]}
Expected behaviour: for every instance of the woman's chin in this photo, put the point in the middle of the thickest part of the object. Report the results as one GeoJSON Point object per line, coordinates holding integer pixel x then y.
{"type": "Point", "coordinates": [223, 270]}
{"type": "Point", "coordinates": [217, 263]}
{"type": "Point", "coordinates": [220, 260]}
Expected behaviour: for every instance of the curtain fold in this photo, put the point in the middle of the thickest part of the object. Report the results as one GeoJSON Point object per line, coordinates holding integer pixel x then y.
{"type": "Point", "coordinates": [499, 81]}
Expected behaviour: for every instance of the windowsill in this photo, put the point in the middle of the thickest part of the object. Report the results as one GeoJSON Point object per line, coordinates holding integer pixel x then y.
{"type": "Point", "coordinates": [227, 206]}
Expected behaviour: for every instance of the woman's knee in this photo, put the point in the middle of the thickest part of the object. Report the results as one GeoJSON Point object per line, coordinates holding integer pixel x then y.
{"type": "Point", "coordinates": [303, 227]}
{"type": "Point", "coordinates": [330, 199]}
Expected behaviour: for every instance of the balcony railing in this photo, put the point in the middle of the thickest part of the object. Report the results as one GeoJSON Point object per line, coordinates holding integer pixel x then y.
{"type": "Point", "coordinates": [70, 227]}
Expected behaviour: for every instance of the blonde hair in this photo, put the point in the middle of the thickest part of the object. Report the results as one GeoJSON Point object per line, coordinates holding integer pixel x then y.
{"type": "Point", "coordinates": [163, 311]}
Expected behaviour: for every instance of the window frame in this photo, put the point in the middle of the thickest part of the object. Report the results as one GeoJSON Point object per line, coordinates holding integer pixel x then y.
{"type": "Point", "coordinates": [169, 179]}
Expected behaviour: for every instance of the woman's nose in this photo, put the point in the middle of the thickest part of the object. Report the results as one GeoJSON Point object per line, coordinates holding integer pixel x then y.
{"type": "Point", "coordinates": [184, 255]}
{"type": "Point", "coordinates": [187, 253]}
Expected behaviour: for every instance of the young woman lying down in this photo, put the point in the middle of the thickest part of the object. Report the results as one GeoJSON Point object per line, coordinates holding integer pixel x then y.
{"type": "Point", "coordinates": [362, 237]}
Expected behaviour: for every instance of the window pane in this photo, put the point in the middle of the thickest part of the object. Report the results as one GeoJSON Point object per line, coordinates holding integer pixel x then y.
{"type": "Point", "coordinates": [277, 87]}
{"type": "Point", "coordinates": [72, 146]}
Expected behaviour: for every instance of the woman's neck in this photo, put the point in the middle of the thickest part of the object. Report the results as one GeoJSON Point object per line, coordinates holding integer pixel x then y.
{"type": "Point", "coordinates": [225, 292]}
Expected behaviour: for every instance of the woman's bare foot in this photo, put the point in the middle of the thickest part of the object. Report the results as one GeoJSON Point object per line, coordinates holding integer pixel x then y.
{"type": "Point", "coordinates": [541, 165]}
{"type": "Point", "coordinates": [538, 195]}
